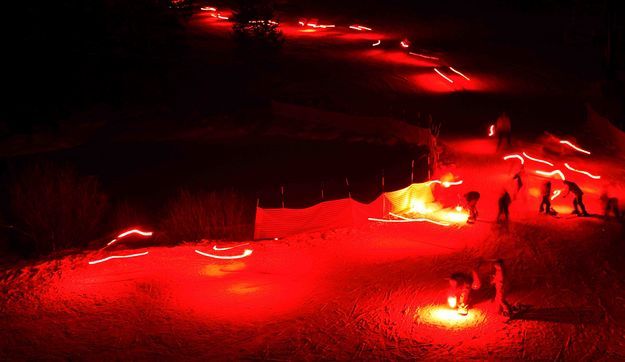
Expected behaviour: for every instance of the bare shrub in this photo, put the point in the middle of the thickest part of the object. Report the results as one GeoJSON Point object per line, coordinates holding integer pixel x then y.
{"type": "Point", "coordinates": [54, 208]}
{"type": "Point", "coordinates": [225, 215]}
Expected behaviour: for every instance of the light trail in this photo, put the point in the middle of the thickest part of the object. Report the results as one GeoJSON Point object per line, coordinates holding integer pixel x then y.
{"type": "Point", "coordinates": [129, 232]}
{"type": "Point", "coordinates": [117, 257]}
{"type": "Point", "coordinates": [246, 253]}
{"type": "Point", "coordinates": [556, 193]}
{"type": "Point", "coordinates": [582, 172]}
{"type": "Point", "coordinates": [404, 44]}
{"type": "Point", "coordinates": [222, 17]}
{"type": "Point", "coordinates": [515, 156]}
{"type": "Point", "coordinates": [208, 8]}
{"type": "Point", "coordinates": [491, 130]}
{"type": "Point", "coordinates": [460, 74]}
{"type": "Point", "coordinates": [443, 75]}
{"type": "Point", "coordinates": [403, 219]}
{"type": "Point", "coordinates": [216, 248]}
{"type": "Point", "coordinates": [537, 159]}
{"type": "Point", "coordinates": [447, 184]}
{"type": "Point", "coordinates": [376, 43]}
{"type": "Point", "coordinates": [423, 56]}
{"type": "Point", "coordinates": [359, 27]}
{"type": "Point", "coordinates": [549, 174]}
{"type": "Point", "coordinates": [574, 147]}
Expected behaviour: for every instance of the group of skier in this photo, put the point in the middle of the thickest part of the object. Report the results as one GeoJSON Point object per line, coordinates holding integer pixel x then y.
{"type": "Point", "coordinates": [461, 283]}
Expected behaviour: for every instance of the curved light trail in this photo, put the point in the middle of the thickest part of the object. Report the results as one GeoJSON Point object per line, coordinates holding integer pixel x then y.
{"type": "Point", "coordinates": [420, 219]}
{"type": "Point", "coordinates": [537, 159]}
{"type": "Point", "coordinates": [552, 173]}
{"type": "Point", "coordinates": [582, 172]}
{"type": "Point", "coordinates": [556, 193]}
{"type": "Point", "coordinates": [376, 43]}
{"type": "Point", "coordinates": [117, 257]}
{"type": "Point", "coordinates": [491, 130]}
{"type": "Point", "coordinates": [130, 232]}
{"type": "Point", "coordinates": [246, 253]}
{"type": "Point", "coordinates": [509, 157]}
{"type": "Point", "coordinates": [216, 248]}
{"type": "Point", "coordinates": [460, 74]}
{"type": "Point", "coordinates": [564, 142]}
{"type": "Point", "coordinates": [423, 56]}
{"type": "Point", "coordinates": [443, 75]}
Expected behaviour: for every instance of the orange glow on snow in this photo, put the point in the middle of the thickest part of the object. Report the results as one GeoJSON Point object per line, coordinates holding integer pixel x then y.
{"type": "Point", "coordinates": [246, 253]}
{"type": "Point", "coordinates": [537, 159]}
{"type": "Point", "coordinates": [552, 173]}
{"type": "Point", "coordinates": [574, 147]}
{"type": "Point", "coordinates": [243, 288]}
{"type": "Point", "coordinates": [217, 270]}
{"type": "Point", "coordinates": [117, 257]}
{"type": "Point", "coordinates": [509, 157]}
{"type": "Point", "coordinates": [582, 172]}
{"type": "Point", "coordinates": [445, 317]}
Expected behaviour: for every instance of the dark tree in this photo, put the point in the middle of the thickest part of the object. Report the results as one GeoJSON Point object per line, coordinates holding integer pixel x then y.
{"type": "Point", "coordinates": [255, 27]}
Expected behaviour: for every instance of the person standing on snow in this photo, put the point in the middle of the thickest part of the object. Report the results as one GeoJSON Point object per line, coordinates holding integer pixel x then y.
{"type": "Point", "coordinates": [504, 207]}
{"type": "Point", "coordinates": [497, 281]}
{"type": "Point", "coordinates": [545, 203]}
{"type": "Point", "coordinates": [610, 204]}
{"type": "Point", "coordinates": [472, 198]}
{"type": "Point", "coordinates": [577, 201]}
{"type": "Point", "coordinates": [460, 285]}
{"type": "Point", "coordinates": [503, 129]}
{"type": "Point", "coordinates": [518, 181]}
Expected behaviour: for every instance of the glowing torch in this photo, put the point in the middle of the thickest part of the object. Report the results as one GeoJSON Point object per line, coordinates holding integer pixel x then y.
{"type": "Point", "coordinates": [452, 302]}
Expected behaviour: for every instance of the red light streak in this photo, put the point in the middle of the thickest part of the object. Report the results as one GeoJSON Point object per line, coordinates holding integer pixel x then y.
{"type": "Point", "coordinates": [582, 172]}
{"type": "Point", "coordinates": [442, 75]}
{"type": "Point", "coordinates": [216, 248]}
{"type": "Point", "coordinates": [491, 130]}
{"type": "Point", "coordinates": [423, 56]}
{"type": "Point", "coordinates": [376, 43]}
{"type": "Point", "coordinates": [556, 193]}
{"type": "Point", "coordinates": [549, 174]}
{"type": "Point", "coordinates": [129, 232]}
{"type": "Point", "coordinates": [574, 147]}
{"type": "Point", "coordinates": [222, 17]}
{"type": "Point", "coordinates": [514, 156]}
{"type": "Point", "coordinates": [117, 257]}
{"type": "Point", "coordinates": [460, 74]}
{"type": "Point", "coordinates": [537, 159]}
{"type": "Point", "coordinates": [246, 253]}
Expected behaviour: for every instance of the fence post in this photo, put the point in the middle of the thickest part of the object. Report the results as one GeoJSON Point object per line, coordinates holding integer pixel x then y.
{"type": "Point", "coordinates": [282, 195]}
{"type": "Point", "coordinates": [322, 194]}
{"type": "Point", "coordinates": [412, 172]}
{"type": "Point", "coordinates": [349, 193]}
{"type": "Point", "coordinates": [383, 195]}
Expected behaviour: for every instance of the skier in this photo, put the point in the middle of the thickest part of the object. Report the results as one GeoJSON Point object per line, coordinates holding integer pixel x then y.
{"type": "Point", "coordinates": [577, 201]}
{"type": "Point", "coordinates": [545, 204]}
{"type": "Point", "coordinates": [460, 285]}
{"type": "Point", "coordinates": [504, 204]}
{"type": "Point", "coordinates": [472, 198]}
{"type": "Point", "coordinates": [610, 204]}
{"type": "Point", "coordinates": [503, 129]}
{"type": "Point", "coordinates": [497, 281]}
